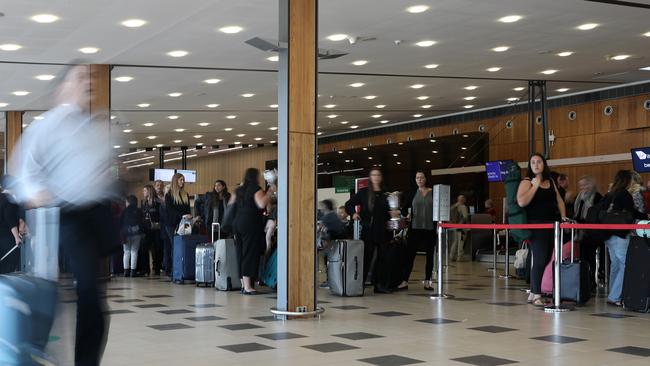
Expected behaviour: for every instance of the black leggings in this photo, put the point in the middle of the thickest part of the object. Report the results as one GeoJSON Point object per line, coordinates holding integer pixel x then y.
{"type": "Point", "coordinates": [418, 237]}
{"type": "Point", "coordinates": [541, 247]}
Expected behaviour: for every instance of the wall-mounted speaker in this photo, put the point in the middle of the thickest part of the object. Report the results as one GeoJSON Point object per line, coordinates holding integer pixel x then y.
{"type": "Point", "coordinates": [646, 105]}
{"type": "Point", "coordinates": [482, 128]}
{"type": "Point", "coordinates": [572, 115]}
{"type": "Point", "coordinates": [509, 124]}
{"type": "Point", "coordinates": [409, 139]}
{"type": "Point", "coordinates": [432, 135]}
{"type": "Point", "coordinates": [455, 131]}
{"type": "Point", "coordinates": [538, 120]}
{"type": "Point", "coordinates": [608, 110]}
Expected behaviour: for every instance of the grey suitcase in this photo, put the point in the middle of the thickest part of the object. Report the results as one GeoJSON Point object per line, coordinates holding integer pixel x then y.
{"type": "Point", "coordinates": [205, 260]}
{"type": "Point", "coordinates": [226, 266]}
{"type": "Point", "coordinates": [345, 268]}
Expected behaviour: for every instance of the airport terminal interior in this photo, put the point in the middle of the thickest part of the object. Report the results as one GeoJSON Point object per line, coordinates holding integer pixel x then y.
{"type": "Point", "coordinates": [318, 95]}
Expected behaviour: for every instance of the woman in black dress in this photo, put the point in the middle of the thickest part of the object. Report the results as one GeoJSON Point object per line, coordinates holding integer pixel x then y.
{"type": "Point", "coordinates": [374, 215]}
{"type": "Point", "coordinates": [248, 224]}
{"type": "Point", "coordinates": [539, 195]}
{"type": "Point", "coordinates": [177, 207]}
{"type": "Point", "coordinates": [151, 211]}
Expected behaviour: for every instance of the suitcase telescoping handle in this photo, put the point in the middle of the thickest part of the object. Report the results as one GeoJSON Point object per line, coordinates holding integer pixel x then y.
{"type": "Point", "coordinates": [218, 225]}
{"type": "Point", "coordinates": [572, 241]}
{"type": "Point", "coordinates": [9, 252]}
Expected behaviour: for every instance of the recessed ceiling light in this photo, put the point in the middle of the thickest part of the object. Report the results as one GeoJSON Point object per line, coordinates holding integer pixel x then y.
{"type": "Point", "coordinates": [116, 146]}
{"type": "Point", "coordinates": [180, 130]}
{"type": "Point", "coordinates": [159, 145]}
{"type": "Point", "coordinates": [113, 117]}
{"type": "Point", "coordinates": [330, 106]}
{"type": "Point", "coordinates": [337, 37]}
{"type": "Point", "coordinates": [331, 116]}
{"type": "Point", "coordinates": [254, 123]}
{"type": "Point", "coordinates": [228, 129]}
{"type": "Point", "coordinates": [148, 124]}
{"type": "Point", "coordinates": [20, 93]}
{"type": "Point", "coordinates": [258, 139]}
{"type": "Point", "coordinates": [510, 19]}
{"type": "Point", "coordinates": [494, 69]}
{"type": "Point", "coordinates": [127, 131]}
{"type": "Point", "coordinates": [204, 124]}
{"type": "Point", "coordinates": [124, 79]}
{"type": "Point", "coordinates": [232, 116]}
{"type": "Point", "coordinates": [417, 115]}
{"type": "Point", "coordinates": [647, 68]}
{"type": "Point", "coordinates": [646, 34]}
{"type": "Point", "coordinates": [134, 23]}
{"type": "Point", "coordinates": [620, 57]}
{"type": "Point", "coordinates": [241, 135]}
{"type": "Point", "coordinates": [431, 66]}
{"type": "Point", "coordinates": [344, 122]}
{"type": "Point", "coordinates": [212, 105]}
{"type": "Point", "coordinates": [588, 26]}
{"type": "Point", "coordinates": [469, 106]}
{"type": "Point", "coordinates": [273, 128]}
{"type": "Point", "coordinates": [38, 118]}
{"type": "Point", "coordinates": [384, 121]}
{"type": "Point", "coordinates": [469, 98]}
{"type": "Point", "coordinates": [133, 142]}
{"type": "Point", "coordinates": [232, 29]}
{"type": "Point", "coordinates": [549, 72]}
{"type": "Point", "coordinates": [197, 136]}
{"type": "Point", "coordinates": [218, 140]}
{"type": "Point", "coordinates": [422, 97]}
{"type": "Point", "coordinates": [471, 87]}
{"type": "Point", "coordinates": [427, 43]}
{"type": "Point", "coordinates": [357, 85]}
{"type": "Point", "coordinates": [2, 105]}
{"type": "Point", "coordinates": [44, 18]}
{"type": "Point", "coordinates": [248, 95]}
{"type": "Point", "coordinates": [10, 47]}
{"type": "Point", "coordinates": [151, 137]}
{"type": "Point", "coordinates": [369, 157]}
{"type": "Point", "coordinates": [89, 50]}
{"type": "Point", "coordinates": [172, 117]}
{"type": "Point", "coordinates": [354, 127]}
{"type": "Point", "coordinates": [376, 116]}
{"type": "Point", "coordinates": [428, 161]}
{"type": "Point", "coordinates": [380, 106]}
{"type": "Point", "coordinates": [435, 151]}
{"type": "Point", "coordinates": [415, 9]}
{"type": "Point", "coordinates": [462, 157]}
{"type": "Point", "coordinates": [175, 95]}
{"type": "Point", "coordinates": [562, 90]}
{"type": "Point", "coordinates": [275, 58]}
{"type": "Point", "coordinates": [237, 142]}
{"type": "Point", "coordinates": [177, 53]}
{"type": "Point", "coordinates": [273, 106]}
{"type": "Point", "coordinates": [519, 88]}
{"type": "Point", "coordinates": [272, 141]}
{"type": "Point", "coordinates": [512, 99]}
{"type": "Point", "coordinates": [144, 105]}
{"type": "Point", "coordinates": [178, 141]}
{"type": "Point", "coordinates": [426, 106]}
{"type": "Point", "coordinates": [565, 54]}
{"type": "Point", "coordinates": [211, 81]}
{"type": "Point", "coordinates": [416, 86]}
{"type": "Point", "coordinates": [45, 77]}
{"type": "Point", "coordinates": [370, 97]}
{"type": "Point", "coordinates": [359, 62]}
{"type": "Point", "coordinates": [432, 141]}
{"type": "Point", "coordinates": [501, 49]}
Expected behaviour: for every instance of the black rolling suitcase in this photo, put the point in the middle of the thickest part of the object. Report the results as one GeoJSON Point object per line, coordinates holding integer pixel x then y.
{"type": "Point", "coordinates": [575, 281]}
{"type": "Point", "coordinates": [636, 283]}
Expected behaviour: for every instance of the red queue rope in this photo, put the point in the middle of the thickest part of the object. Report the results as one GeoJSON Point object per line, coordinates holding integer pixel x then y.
{"type": "Point", "coordinates": [605, 226]}
{"type": "Point", "coordinates": [496, 226]}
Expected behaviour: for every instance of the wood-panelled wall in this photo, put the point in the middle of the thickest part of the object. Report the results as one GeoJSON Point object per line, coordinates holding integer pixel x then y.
{"type": "Point", "coordinates": [591, 133]}
{"type": "Point", "coordinates": [228, 166]}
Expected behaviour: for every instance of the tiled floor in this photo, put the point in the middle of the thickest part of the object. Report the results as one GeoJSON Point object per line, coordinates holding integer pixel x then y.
{"type": "Point", "coordinates": [487, 323]}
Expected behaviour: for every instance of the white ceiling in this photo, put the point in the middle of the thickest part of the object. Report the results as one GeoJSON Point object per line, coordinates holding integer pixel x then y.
{"type": "Point", "coordinates": [465, 31]}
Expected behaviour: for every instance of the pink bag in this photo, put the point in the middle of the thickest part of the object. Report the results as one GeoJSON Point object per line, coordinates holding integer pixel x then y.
{"type": "Point", "coordinates": [547, 278]}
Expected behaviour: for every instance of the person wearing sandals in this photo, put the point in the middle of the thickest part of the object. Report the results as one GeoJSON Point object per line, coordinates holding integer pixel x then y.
{"type": "Point", "coordinates": [248, 224]}
{"type": "Point", "coordinates": [422, 232]}
{"type": "Point", "coordinates": [540, 197]}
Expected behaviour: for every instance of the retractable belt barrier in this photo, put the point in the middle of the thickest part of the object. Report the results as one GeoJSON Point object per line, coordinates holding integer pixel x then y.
{"type": "Point", "coordinates": [557, 244]}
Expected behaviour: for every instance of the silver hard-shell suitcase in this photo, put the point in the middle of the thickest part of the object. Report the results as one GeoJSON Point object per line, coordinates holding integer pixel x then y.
{"type": "Point", "coordinates": [345, 268]}
{"type": "Point", "coordinates": [205, 259]}
{"type": "Point", "coordinates": [226, 266]}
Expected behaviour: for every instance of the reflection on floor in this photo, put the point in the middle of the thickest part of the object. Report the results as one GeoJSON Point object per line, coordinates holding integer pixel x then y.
{"type": "Point", "coordinates": [154, 322]}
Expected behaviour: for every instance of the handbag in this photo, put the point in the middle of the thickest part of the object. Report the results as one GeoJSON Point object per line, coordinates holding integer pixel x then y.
{"type": "Point", "coordinates": [521, 255]}
{"type": "Point", "coordinates": [184, 227]}
{"type": "Point", "coordinates": [612, 216]}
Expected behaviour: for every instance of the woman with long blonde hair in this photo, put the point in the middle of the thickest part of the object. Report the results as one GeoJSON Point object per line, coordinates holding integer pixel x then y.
{"type": "Point", "coordinates": [177, 207]}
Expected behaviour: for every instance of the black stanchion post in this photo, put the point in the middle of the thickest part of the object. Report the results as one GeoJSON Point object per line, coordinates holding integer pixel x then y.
{"type": "Point", "coordinates": [494, 252]}
{"type": "Point", "coordinates": [506, 274]}
{"type": "Point", "coordinates": [441, 290]}
{"type": "Point", "coordinates": [557, 306]}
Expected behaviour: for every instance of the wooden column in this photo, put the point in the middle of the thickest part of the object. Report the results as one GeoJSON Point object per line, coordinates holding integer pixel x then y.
{"type": "Point", "coordinates": [100, 93]}
{"type": "Point", "coordinates": [13, 130]}
{"type": "Point", "coordinates": [297, 156]}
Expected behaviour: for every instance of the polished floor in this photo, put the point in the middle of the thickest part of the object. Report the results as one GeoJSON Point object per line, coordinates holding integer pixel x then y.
{"type": "Point", "coordinates": [154, 322]}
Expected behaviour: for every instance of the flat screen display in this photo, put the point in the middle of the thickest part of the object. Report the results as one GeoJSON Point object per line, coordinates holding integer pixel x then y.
{"type": "Point", "coordinates": [497, 171]}
{"type": "Point", "coordinates": [190, 175]}
{"type": "Point", "coordinates": [163, 174]}
{"type": "Point", "coordinates": [641, 159]}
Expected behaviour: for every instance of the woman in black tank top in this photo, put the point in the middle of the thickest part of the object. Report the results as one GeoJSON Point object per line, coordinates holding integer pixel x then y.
{"type": "Point", "coordinates": [543, 204]}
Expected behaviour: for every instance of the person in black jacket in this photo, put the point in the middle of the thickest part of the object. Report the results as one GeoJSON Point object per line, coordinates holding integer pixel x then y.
{"type": "Point", "coordinates": [177, 207]}
{"type": "Point", "coordinates": [215, 203]}
{"type": "Point", "coordinates": [132, 225]}
{"type": "Point", "coordinates": [9, 230]}
{"type": "Point", "coordinates": [151, 211]}
{"type": "Point", "coordinates": [374, 215]}
{"type": "Point", "coordinates": [619, 199]}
